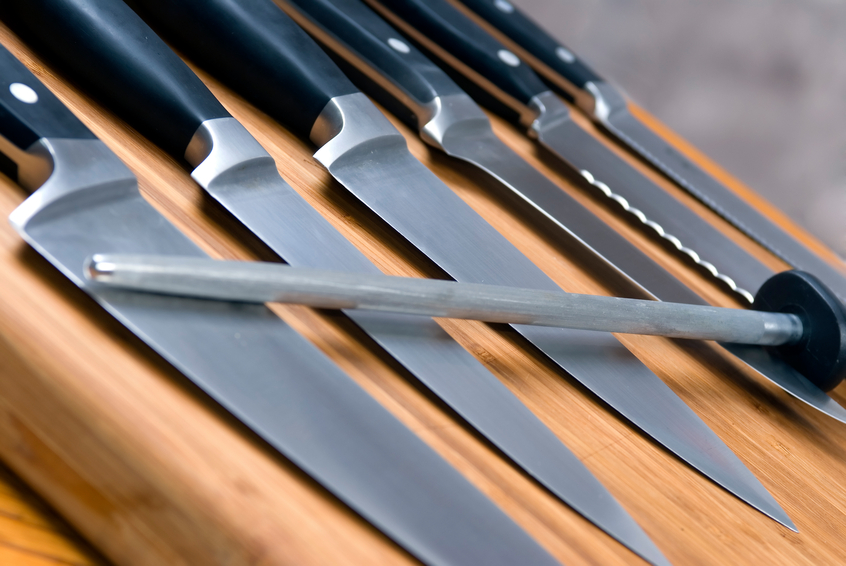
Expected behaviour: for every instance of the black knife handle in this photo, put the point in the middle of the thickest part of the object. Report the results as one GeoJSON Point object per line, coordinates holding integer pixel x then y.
{"type": "Point", "coordinates": [411, 78]}
{"type": "Point", "coordinates": [514, 24]}
{"type": "Point", "coordinates": [459, 38]}
{"type": "Point", "coordinates": [256, 49]}
{"type": "Point", "coordinates": [29, 111]}
{"type": "Point", "coordinates": [104, 47]}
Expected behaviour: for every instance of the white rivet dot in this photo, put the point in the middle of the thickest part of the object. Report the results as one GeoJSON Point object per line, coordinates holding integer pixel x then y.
{"type": "Point", "coordinates": [23, 93]}
{"type": "Point", "coordinates": [508, 57]}
{"type": "Point", "coordinates": [565, 54]}
{"type": "Point", "coordinates": [398, 45]}
{"type": "Point", "coordinates": [503, 6]}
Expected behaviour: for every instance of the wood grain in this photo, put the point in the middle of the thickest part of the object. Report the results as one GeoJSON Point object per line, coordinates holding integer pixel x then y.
{"type": "Point", "coordinates": [31, 534]}
{"type": "Point", "coordinates": [153, 472]}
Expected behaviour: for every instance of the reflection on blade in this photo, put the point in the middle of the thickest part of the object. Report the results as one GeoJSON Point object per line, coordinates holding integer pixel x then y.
{"type": "Point", "coordinates": [381, 172]}
{"type": "Point", "coordinates": [480, 147]}
{"type": "Point", "coordinates": [788, 379]}
{"type": "Point", "coordinates": [301, 236]}
{"type": "Point", "coordinates": [266, 374]}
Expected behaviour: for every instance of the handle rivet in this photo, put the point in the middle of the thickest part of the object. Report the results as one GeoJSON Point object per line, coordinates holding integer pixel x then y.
{"type": "Point", "coordinates": [23, 93]}
{"type": "Point", "coordinates": [398, 45]}
{"type": "Point", "coordinates": [503, 6]}
{"type": "Point", "coordinates": [565, 54]}
{"type": "Point", "coordinates": [508, 57]}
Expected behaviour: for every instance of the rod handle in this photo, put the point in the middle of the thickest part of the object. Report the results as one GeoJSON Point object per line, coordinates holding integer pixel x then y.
{"type": "Point", "coordinates": [821, 353]}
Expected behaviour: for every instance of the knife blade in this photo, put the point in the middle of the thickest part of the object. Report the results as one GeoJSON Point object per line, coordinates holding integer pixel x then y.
{"type": "Point", "coordinates": [520, 94]}
{"type": "Point", "coordinates": [465, 39]}
{"type": "Point", "coordinates": [400, 77]}
{"type": "Point", "coordinates": [370, 158]}
{"type": "Point", "coordinates": [246, 358]}
{"type": "Point", "coordinates": [567, 74]}
{"type": "Point", "coordinates": [468, 388]}
{"type": "Point", "coordinates": [284, 220]}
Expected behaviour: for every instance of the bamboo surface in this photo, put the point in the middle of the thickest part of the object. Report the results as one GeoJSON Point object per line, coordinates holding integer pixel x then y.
{"type": "Point", "coordinates": [150, 471]}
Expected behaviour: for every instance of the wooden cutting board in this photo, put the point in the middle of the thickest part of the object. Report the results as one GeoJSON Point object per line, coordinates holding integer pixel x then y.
{"type": "Point", "coordinates": [151, 471]}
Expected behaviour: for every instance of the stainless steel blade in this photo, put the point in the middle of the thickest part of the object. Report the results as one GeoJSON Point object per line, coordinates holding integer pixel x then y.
{"type": "Point", "coordinates": [475, 143]}
{"type": "Point", "coordinates": [370, 158]}
{"type": "Point", "coordinates": [265, 373]}
{"type": "Point", "coordinates": [270, 208]}
{"type": "Point", "coordinates": [721, 200]}
{"type": "Point", "coordinates": [653, 206]}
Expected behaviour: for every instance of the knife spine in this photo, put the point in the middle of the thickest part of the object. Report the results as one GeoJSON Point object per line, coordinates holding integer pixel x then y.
{"type": "Point", "coordinates": [658, 229]}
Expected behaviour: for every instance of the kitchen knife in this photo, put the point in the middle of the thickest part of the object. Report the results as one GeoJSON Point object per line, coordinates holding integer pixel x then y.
{"type": "Point", "coordinates": [648, 274]}
{"type": "Point", "coordinates": [465, 47]}
{"type": "Point", "coordinates": [285, 221]}
{"type": "Point", "coordinates": [245, 357]}
{"type": "Point", "coordinates": [606, 105]}
{"type": "Point", "coordinates": [369, 157]}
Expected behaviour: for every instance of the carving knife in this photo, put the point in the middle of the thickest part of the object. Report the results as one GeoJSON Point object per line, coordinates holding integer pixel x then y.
{"type": "Point", "coordinates": [467, 40]}
{"type": "Point", "coordinates": [370, 158]}
{"type": "Point", "coordinates": [603, 103]}
{"type": "Point", "coordinates": [243, 356]}
{"type": "Point", "coordinates": [272, 209]}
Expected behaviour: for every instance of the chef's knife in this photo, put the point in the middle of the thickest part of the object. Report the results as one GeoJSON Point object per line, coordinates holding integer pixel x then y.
{"type": "Point", "coordinates": [606, 105]}
{"type": "Point", "coordinates": [244, 357]}
{"type": "Point", "coordinates": [300, 235]}
{"type": "Point", "coordinates": [468, 40]}
{"type": "Point", "coordinates": [369, 157]}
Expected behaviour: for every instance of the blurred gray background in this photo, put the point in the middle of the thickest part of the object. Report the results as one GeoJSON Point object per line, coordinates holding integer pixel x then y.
{"type": "Point", "coordinates": [760, 86]}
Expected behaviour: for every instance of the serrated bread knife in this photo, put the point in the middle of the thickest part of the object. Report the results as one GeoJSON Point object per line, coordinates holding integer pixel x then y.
{"type": "Point", "coordinates": [370, 158]}
{"type": "Point", "coordinates": [466, 39]}
{"type": "Point", "coordinates": [511, 88]}
{"type": "Point", "coordinates": [566, 73]}
{"type": "Point", "coordinates": [256, 194]}
{"type": "Point", "coordinates": [244, 357]}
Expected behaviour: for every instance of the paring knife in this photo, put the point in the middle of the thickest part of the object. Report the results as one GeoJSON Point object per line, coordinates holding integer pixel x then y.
{"type": "Point", "coordinates": [370, 158]}
{"type": "Point", "coordinates": [243, 356]}
{"type": "Point", "coordinates": [400, 77]}
{"type": "Point", "coordinates": [464, 39]}
{"type": "Point", "coordinates": [251, 188]}
{"type": "Point", "coordinates": [569, 75]}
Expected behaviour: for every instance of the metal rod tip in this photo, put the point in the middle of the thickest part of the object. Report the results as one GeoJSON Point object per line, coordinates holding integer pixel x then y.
{"type": "Point", "coordinates": [98, 269]}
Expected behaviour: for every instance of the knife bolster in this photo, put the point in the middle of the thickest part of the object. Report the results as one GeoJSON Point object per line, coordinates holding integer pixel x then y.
{"type": "Point", "coordinates": [448, 113]}
{"type": "Point", "coordinates": [77, 168]}
{"type": "Point", "coordinates": [347, 122]}
{"type": "Point", "coordinates": [600, 100]}
{"type": "Point", "coordinates": [222, 151]}
{"type": "Point", "coordinates": [547, 111]}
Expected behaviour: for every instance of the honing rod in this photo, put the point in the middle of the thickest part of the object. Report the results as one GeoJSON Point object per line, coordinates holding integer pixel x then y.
{"type": "Point", "coordinates": [793, 311]}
